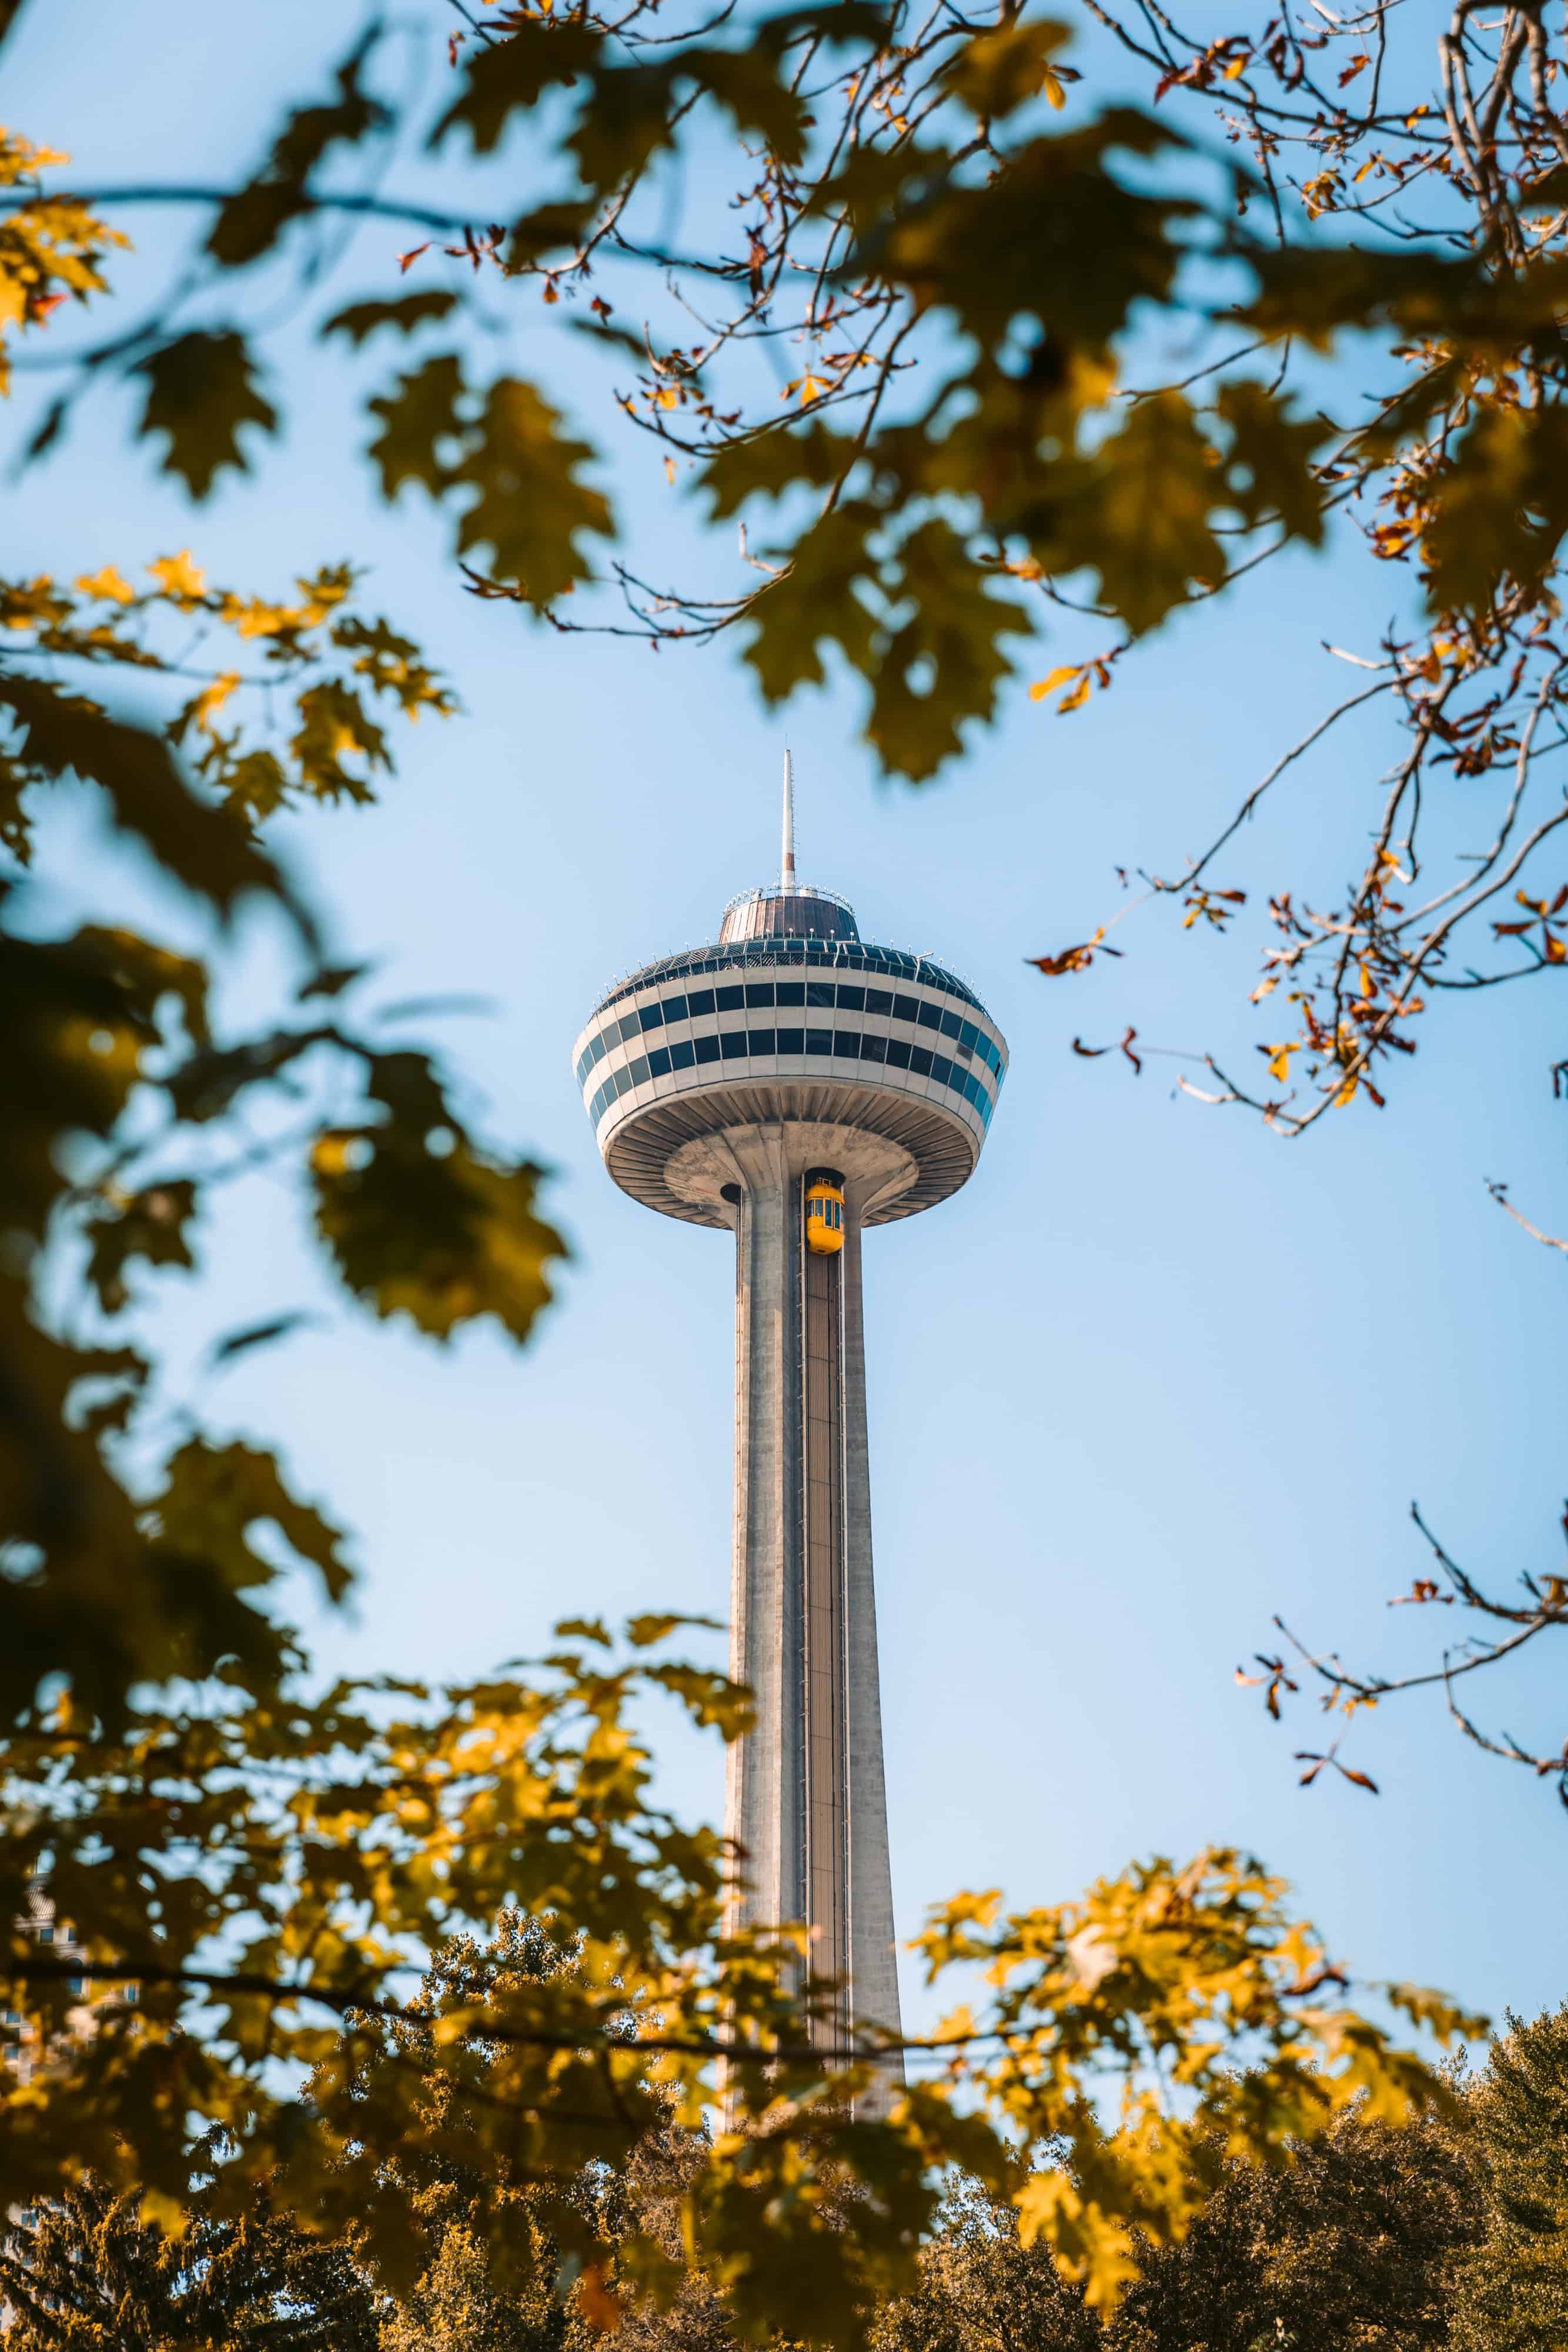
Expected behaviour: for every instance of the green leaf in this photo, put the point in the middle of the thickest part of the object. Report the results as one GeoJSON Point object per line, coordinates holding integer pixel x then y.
{"type": "Point", "coordinates": [250, 221]}
{"type": "Point", "coordinates": [254, 786]}
{"type": "Point", "coordinates": [415, 418]}
{"type": "Point", "coordinates": [817, 601]}
{"type": "Point", "coordinates": [531, 509]}
{"type": "Point", "coordinates": [1315, 291]}
{"type": "Point", "coordinates": [406, 312]}
{"type": "Point", "coordinates": [1274, 452]}
{"type": "Point", "coordinates": [1137, 513]}
{"type": "Point", "coordinates": [1499, 508]}
{"type": "Point", "coordinates": [150, 1224]}
{"type": "Point", "coordinates": [200, 846]}
{"type": "Point", "coordinates": [997, 72]}
{"type": "Point", "coordinates": [512, 76]}
{"type": "Point", "coordinates": [391, 665]}
{"type": "Point", "coordinates": [212, 1496]}
{"type": "Point", "coordinates": [627, 122]}
{"type": "Point", "coordinates": [954, 638]}
{"type": "Point", "coordinates": [1064, 240]}
{"type": "Point", "coordinates": [201, 390]}
{"type": "Point", "coordinates": [444, 1238]}
{"type": "Point", "coordinates": [333, 724]}
{"type": "Point", "coordinates": [770, 465]}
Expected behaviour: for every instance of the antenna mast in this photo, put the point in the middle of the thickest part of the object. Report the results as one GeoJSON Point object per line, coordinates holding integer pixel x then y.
{"type": "Point", "coordinates": [787, 876]}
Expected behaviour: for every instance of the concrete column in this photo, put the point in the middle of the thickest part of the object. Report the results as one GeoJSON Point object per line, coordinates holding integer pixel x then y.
{"type": "Point", "coordinates": [874, 1969]}
{"type": "Point", "coordinates": [826, 1656]}
{"type": "Point", "coordinates": [764, 1810]}
{"type": "Point", "coordinates": [805, 1799]}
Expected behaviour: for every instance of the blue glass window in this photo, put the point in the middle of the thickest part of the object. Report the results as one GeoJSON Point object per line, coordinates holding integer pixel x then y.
{"type": "Point", "coordinates": [818, 1041]}
{"type": "Point", "coordinates": [920, 1059]}
{"type": "Point", "coordinates": [906, 1008]}
{"type": "Point", "coordinates": [847, 1045]}
{"type": "Point", "coordinates": [706, 1048]}
{"type": "Point", "coordinates": [731, 999]}
{"type": "Point", "coordinates": [627, 1027]}
{"type": "Point", "coordinates": [879, 1000]}
{"type": "Point", "coordinates": [761, 1040]}
{"type": "Point", "coordinates": [968, 1035]}
{"type": "Point", "coordinates": [584, 1063]}
{"type": "Point", "coordinates": [852, 1000]}
{"type": "Point", "coordinates": [597, 1047]}
{"type": "Point", "coordinates": [638, 1066]}
{"type": "Point", "coordinates": [941, 1069]}
{"type": "Point", "coordinates": [820, 992]}
{"type": "Point", "coordinates": [758, 992]}
{"type": "Point", "coordinates": [951, 1024]}
{"type": "Point", "coordinates": [682, 1057]}
{"type": "Point", "coordinates": [898, 1053]}
{"type": "Point", "coordinates": [674, 1008]}
{"type": "Point", "coordinates": [651, 1016]}
{"type": "Point", "coordinates": [792, 991]}
{"type": "Point", "coordinates": [700, 1000]}
{"type": "Point", "coordinates": [930, 1016]}
{"type": "Point", "coordinates": [792, 1041]}
{"type": "Point", "coordinates": [732, 1045]}
{"type": "Point", "coordinates": [621, 1083]}
{"type": "Point", "coordinates": [659, 1063]}
{"type": "Point", "coordinates": [874, 1049]}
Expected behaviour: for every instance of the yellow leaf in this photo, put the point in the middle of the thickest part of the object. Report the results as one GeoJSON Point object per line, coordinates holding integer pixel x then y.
{"type": "Point", "coordinates": [1078, 694]}
{"type": "Point", "coordinates": [179, 578]}
{"type": "Point", "coordinates": [669, 469]}
{"type": "Point", "coordinates": [813, 386]}
{"type": "Point", "coordinates": [1371, 164]}
{"type": "Point", "coordinates": [169, 2213]}
{"type": "Point", "coordinates": [1237, 67]}
{"type": "Point", "coordinates": [108, 584]}
{"type": "Point", "coordinates": [1279, 1060]}
{"type": "Point", "coordinates": [1053, 89]}
{"type": "Point", "coordinates": [1044, 685]}
{"type": "Point", "coordinates": [601, 2307]}
{"type": "Point", "coordinates": [1346, 1093]}
{"type": "Point", "coordinates": [211, 698]}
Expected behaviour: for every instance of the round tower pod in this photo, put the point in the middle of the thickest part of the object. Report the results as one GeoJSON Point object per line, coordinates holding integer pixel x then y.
{"type": "Point", "coordinates": [879, 1062]}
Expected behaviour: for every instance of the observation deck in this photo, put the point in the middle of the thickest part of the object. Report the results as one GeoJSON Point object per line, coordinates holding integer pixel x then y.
{"type": "Point", "coordinates": [791, 1018]}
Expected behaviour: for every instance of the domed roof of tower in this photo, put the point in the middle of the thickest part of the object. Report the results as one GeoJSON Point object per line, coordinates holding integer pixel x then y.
{"type": "Point", "coordinates": [793, 910]}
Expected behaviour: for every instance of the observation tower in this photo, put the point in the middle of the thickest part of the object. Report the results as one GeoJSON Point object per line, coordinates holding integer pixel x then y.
{"type": "Point", "coordinates": [795, 1085]}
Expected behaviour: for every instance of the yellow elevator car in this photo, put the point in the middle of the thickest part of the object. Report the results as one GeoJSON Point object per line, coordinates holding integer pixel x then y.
{"type": "Point", "coordinates": [824, 1215]}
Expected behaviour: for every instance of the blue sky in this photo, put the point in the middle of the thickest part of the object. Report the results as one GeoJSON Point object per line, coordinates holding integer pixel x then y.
{"type": "Point", "coordinates": [1151, 1377]}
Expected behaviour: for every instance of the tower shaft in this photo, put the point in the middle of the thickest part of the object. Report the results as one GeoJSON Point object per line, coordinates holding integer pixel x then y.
{"type": "Point", "coordinates": [806, 1797]}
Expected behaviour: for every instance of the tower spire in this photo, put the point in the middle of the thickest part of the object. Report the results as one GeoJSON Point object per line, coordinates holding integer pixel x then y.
{"type": "Point", "coordinates": [787, 875]}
